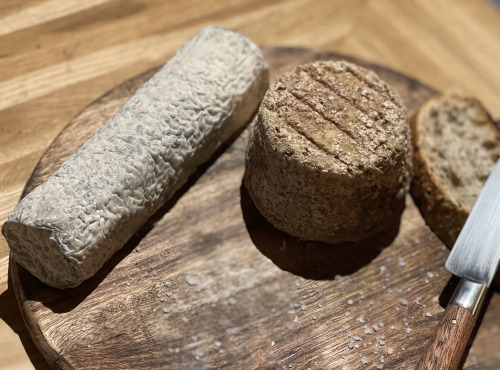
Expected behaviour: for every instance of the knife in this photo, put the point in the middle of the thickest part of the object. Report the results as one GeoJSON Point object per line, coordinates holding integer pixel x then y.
{"type": "Point", "coordinates": [474, 258]}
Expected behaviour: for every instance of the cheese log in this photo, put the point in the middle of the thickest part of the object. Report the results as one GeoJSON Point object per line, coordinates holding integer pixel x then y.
{"type": "Point", "coordinates": [69, 226]}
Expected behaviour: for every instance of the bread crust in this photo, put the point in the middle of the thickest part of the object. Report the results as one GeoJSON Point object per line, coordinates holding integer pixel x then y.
{"type": "Point", "coordinates": [329, 158]}
{"type": "Point", "coordinates": [444, 212]}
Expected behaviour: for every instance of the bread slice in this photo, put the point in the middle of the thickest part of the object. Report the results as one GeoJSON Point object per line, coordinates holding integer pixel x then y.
{"type": "Point", "coordinates": [456, 145]}
{"type": "Point", "coordinates": [329, 157]}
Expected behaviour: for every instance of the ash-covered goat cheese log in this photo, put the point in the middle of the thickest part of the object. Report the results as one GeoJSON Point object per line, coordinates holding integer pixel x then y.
{"type": "Point", "coordinates": [69, 226]}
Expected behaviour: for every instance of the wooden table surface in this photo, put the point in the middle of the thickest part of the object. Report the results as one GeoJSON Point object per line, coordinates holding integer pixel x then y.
{"type": "Point", "coordinates": [57, 56]}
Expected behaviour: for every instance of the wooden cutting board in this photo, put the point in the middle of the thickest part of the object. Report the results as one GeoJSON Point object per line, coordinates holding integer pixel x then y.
{"type": "Point", "coordinates": [208, 283]}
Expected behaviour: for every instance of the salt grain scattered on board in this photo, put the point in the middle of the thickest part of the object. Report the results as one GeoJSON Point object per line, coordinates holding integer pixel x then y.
{"type": "Point", "coordinates": [191, 280]}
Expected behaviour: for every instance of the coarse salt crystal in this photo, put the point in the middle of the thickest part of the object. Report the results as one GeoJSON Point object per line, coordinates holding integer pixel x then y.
{"type": "Point", "coordinates": [191, 280]}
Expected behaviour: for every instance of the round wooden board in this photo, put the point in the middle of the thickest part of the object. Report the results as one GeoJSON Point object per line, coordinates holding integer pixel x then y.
{"type": "Point", "coordinates": [208, 283]}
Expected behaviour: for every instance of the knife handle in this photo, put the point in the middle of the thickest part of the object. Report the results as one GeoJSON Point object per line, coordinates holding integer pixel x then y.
{"type": "Point", "coordinates": [450, 339]}
{"type": "Point", "coordinates": [446, 348]}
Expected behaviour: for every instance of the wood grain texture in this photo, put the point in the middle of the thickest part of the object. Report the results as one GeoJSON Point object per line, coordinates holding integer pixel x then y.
{"type": "Point", "coordinates": [447, 346]}
{"type": "Point", "coordinates": [56, 57]}
{"type": "Point", "coordinates": [207, 282]}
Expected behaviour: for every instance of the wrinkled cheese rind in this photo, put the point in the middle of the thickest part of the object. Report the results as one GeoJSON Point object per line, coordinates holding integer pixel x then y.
{"type": "Point", "coordinates": [69, 226]}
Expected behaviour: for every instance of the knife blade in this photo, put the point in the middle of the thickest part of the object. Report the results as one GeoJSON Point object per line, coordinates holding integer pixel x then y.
{"type": "Point", "coordinates": [474, 258]}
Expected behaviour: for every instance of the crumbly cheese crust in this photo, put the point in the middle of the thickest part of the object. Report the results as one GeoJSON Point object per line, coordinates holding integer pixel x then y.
{"type": "Point", "coordinates": [330, 157]}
